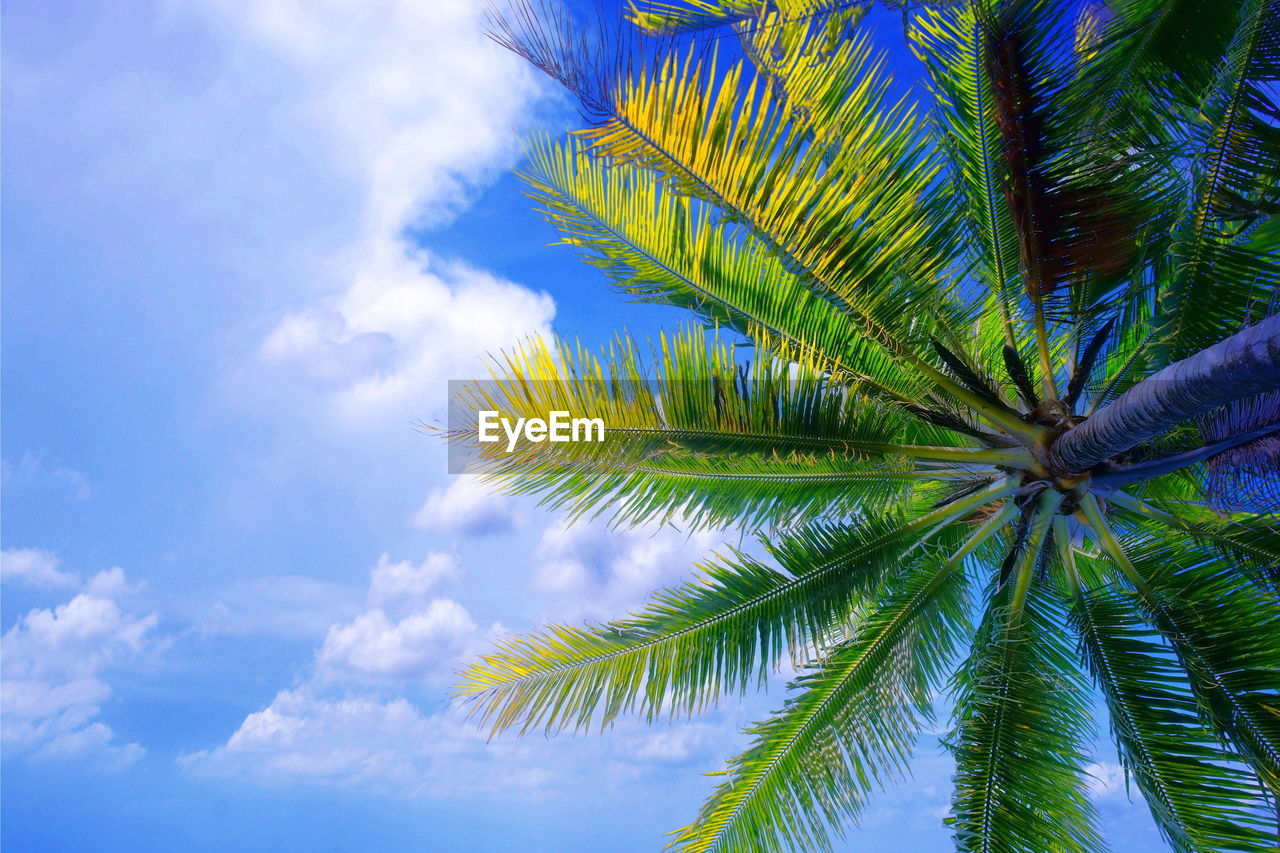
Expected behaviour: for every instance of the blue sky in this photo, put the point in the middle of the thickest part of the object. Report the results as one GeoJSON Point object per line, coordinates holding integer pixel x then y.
{"type": "Point", "coordinates": [246, 244]}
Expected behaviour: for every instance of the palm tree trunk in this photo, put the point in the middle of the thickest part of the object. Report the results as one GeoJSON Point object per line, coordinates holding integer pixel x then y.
{"type": "Point", "coordinates": [1245, 364]}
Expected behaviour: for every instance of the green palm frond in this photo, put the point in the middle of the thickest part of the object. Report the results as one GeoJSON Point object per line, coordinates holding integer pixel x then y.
{"type": "Point", "coordinates": [661, 246]}
{"type": "Point", "coordinates": [701, 437]}
{"type": "Point", "coordinates": [1224, 629]}
{"type": "Point", "coordinates": [665, 16]}
{"type": "Point", "coordinates": [1222, 278]}
{"type": "Point", "coordinates": [700, 491]}
{"type": "Point", "coordinates": [711, 636]}
{"type": "Point", "coordinates": [682, 16]}
{"type": "Point", "coordinates": [864, 223]}
{"type": "Point", "coordinates": [784, 49]}
{"type": "Point", "coordinates": [951, 43]}
{"type": "Point", "coordinates": [1249, 541]}
{"type": "Point", "coordinates": [1089, 208]}
{"type": "Point", "coordinates": [864, 213]}
{"type": "Point", "coordinates": [853, 721]}
{"type": "Point", "coordinates": [1200, 797]}
{"type": "Point", "coordinates": [1019, 744]}
{"type": "Point", "coordinates": [1057, 214]}
{"type": "Point", "coordinates": [1124, 360]}
{"type": "Point", "coordinates": [1233, 663]}
{"type": "Point", "coordinates": [1147, 55]}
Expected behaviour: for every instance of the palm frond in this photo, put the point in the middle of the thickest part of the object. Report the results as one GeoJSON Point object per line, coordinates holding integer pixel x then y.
{"type": "Point", "coordinates": [851, 219]}
{"type": "Point", "coordinates": [684, 16]}
{"type": "Point", "coordinates": [1124, 360]}
{"type": "Point", "coordinates": [951, 43]}
{"type": "Point", "coordinates": [1245, 477]}
{"type": "Point", "coordinates": [1200, 796]}
{"type": "Point", "coordinates": [863, 224]}
{"type": "Point", "coordinates": [1019, 744]}
{"type": "Point", "coordinates": [660, 246]}
{"type": "Point", "coordinates": [707, 637]}
{"type": "Point", "coordinates": [1230, 656]}
{"type": "Point", "coordinates": [1031, 555]}
{"type": "Point", "coordinates": [1223, 280]}
{"type": "Point", "coordinates": [1149, 64]}
{"type": "Point", "coordinates": [962, 328]}
{"type": "Point", "coordinates": [1078, 209]}
{"type": "Point", "coordinates": [703, 437]}
{"type": "Point", "coordinates": [783, 48]}
{"type": "Point", "coordinates": [665, 16]}
{"type": "Point", "coordinates": [853, 721]}
{"type": "Point", "coordinates": [1253, 542]}
{"type": "Point", "coordinates": [1082, 367]}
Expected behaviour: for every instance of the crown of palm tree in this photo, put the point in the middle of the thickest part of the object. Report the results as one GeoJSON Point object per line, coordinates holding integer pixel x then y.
{"type": "Point", "coordinates": [1009, 431]}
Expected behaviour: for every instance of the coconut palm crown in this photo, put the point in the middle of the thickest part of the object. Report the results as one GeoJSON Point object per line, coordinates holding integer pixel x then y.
{"type": "Point", "coordinates": [990, 368]}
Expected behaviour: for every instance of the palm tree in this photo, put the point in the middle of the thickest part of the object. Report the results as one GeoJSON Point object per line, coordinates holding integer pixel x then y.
{"type": "Point", "coordinates": [1008, 431]}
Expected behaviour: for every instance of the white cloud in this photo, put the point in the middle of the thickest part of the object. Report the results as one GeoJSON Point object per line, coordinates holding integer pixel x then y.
{"type": "Point", "coordinates": [387, 745]}
{"type": "Point", "coordinates": [318, 346]}
{"type": "Point", "coordinates": [409, 323]}
{"type": "Point", "coordinates": [40, 569]}
{"type": "Point", "coordinates": [468, 507]}
{"type": "Point", "coordinates": [417, 103]}
{"type": "Point", "coordinates": [34, 568]}
{"type": "Point", "coordinates": [589, 570]}
{"type": "Point", "coordinates": [338, 727]}
{"type": "Point", "coordinates": [404, 583]}
{"type": "Point", "coordinates": [404, 634]}
{"type": "Point", "coordinates": [384, 745]}
{"type": "Point", "coordinates": [394, 628]}
{"type": "Point", "coordinates": [54, 661]}
{"type": "Point", "coordinates": [350, 721]}
{"type": "Point", "coordinates": [111, 583]}
{"type": "Point", "coordinates": [415, 108]}
{"type": "Point", "coordinates": [424, 642]}
{"type": "Point", "coordinates": [673, 744]}
{"type": "Point", "coordinates": [87, 625]}
{"type": "Point", "coordinates": [96, 740]}
{"type": "Point", "coordinates": [282, 172]}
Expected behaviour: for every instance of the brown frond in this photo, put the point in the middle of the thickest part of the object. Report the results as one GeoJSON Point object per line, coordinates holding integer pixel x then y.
{"type": "Point", "coordinates": [1069, 221]}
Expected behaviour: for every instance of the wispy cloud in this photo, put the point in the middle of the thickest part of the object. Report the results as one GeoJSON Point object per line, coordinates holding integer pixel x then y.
{"type": "Point", "coordinates": [283, 606]}
{"type": "Point", "coordinates": [401, 582]}
{"type": "Point", "coordinates": [386, 745]}
{"type": "Point", "coordinates": [468, 507]}
{"type": "Point", "coordinates": [589, 570]}
{"type": "Point", "coordinates": [34, 568]}
{"type": "Point", "coordinates": [35, 471]}
{"type": "Point", "coordinates": [408, 100]}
